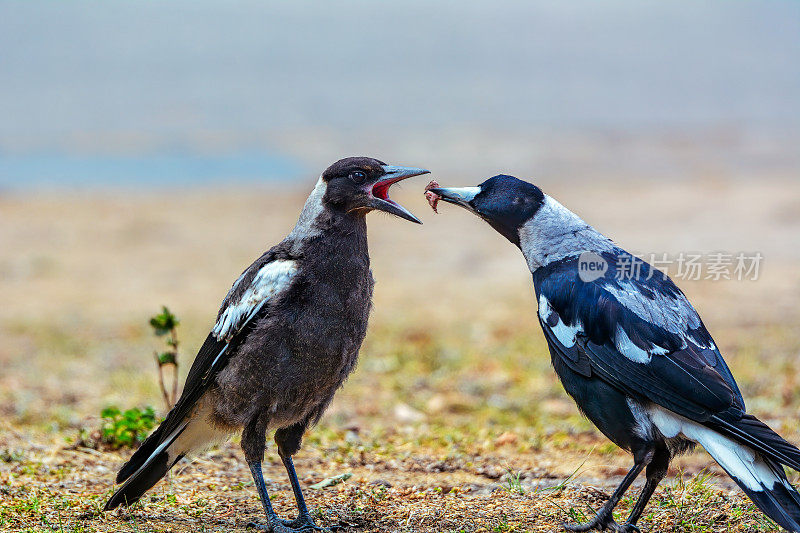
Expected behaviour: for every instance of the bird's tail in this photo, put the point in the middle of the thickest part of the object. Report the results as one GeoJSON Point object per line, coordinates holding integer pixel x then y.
{"type": "Point", "coordinates": [759, 476]}
{"type": "Point", "coordinates": [163, 448]}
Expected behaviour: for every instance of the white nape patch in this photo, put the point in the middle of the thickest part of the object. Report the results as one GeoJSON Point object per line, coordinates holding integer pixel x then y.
{"type": "Point", "coordinates": [740, 461]}
{"type": "Point", "coordinates": [272, 279]}
{"type": "Point", "coordinates": [627, 348]}
{"type": "Point", "coordinates": [565, 334]}
{"type": "Point", "coordinates": [311, 210]}
{"type": "Point", "coordinates": [555, 232]}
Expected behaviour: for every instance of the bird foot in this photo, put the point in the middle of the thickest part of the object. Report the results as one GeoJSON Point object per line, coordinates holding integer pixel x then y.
{"type": "Point", "coordinates": [270, 528]}
{"type": "Point", "coordinates": [302, 524]}
{"type": "Point", "coordinates": [602, 522]}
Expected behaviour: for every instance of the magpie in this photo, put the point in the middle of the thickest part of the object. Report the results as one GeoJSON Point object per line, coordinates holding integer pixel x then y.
{"type": "Point", "coordinates": [633, 353]}
{"type": "Point", "coordinates": [286, 337]}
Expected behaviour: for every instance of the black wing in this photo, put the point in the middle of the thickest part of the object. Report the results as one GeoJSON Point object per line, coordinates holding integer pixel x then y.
{"type": "Point", "coordinates": [642, 336]}
{"type": "Point", "coordinates": [244, 304]}
{"type": "Point", "coordinates": [639, 334]}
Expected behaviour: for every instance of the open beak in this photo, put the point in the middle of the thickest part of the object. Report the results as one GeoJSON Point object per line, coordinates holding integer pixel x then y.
{"type": "Point", "coordinates": [462, 196]}
{"type": "Point", "coordinates": [380, 190]}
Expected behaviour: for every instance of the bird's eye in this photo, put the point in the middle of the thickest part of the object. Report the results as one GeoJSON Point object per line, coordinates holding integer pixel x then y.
{"type": "Point", "coordinates": [358, 176]}
{"type": "Point", "coordinates": [517, 200]}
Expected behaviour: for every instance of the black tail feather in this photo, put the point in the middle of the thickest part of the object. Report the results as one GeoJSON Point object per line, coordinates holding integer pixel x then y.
{"type": "Point", "coordinates": [141, 455]}
{"type": "Point", "coordinates": [139, 483]}
{"type": "Point", "coordinates": [781, 502]}
{"type": "Point", "coordinates": [753, 432]}
{"type": "Point", "coordinates": [143, 471]}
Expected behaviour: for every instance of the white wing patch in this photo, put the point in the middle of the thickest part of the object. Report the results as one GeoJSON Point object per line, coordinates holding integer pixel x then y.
{"type": "Point", "coordinates": [674, 314]}
{"type": "Point", "coordinates": [272, 279]}
{"type": "Point", "coordinates": [565, 334]}
{"type": "Point", "coordinates": [626, 347]}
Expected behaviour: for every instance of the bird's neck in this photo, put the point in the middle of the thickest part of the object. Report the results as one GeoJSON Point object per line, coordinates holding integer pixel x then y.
{"type": "Point", "coordinates": [320, 224]}
{"type": "Point", "coordinates": [555, 233]}
{"type": "Point", "coordinates": [310, 217]}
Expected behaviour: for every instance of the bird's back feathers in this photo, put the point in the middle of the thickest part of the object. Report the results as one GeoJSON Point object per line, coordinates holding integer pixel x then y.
{"type": "Point", "coordinates": [639, 334]}
{"type": "Point", "coordinates": [642, 336]}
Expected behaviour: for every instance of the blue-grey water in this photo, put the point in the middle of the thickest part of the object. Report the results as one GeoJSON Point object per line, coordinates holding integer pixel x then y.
{"type": "Point", "coordinates": [100, 92]}
{"type": "Point", "coordinates": [55, 170]}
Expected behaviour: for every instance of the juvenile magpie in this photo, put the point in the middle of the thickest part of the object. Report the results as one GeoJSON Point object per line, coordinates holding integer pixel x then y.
{"type": "Point", "coordinates": [287, 335]}
{"type": "Point", "coordinates": [633, 353]}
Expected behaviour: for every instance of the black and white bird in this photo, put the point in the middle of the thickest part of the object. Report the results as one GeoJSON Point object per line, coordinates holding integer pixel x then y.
{"type": "Point", "coordinates": [633, 353]}
{"type": "Point", "coordinates": [286, 337]}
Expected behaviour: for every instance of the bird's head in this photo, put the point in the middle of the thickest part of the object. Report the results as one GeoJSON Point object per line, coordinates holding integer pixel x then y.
{"type": "Point", "coordinates": [505, 202]}
{"type": "Point", "coordinates": [361, 184]}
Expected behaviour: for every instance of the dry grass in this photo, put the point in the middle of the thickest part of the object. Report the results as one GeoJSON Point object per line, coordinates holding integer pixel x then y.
{"type": "Point", "coordinates": [453, 421]}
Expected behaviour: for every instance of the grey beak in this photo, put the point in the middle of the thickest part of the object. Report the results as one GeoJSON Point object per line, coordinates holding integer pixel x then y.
{"type": "Point", "coordinates": [395, 174]}
{"type": "Point", "coordinates": [380, 190]}
{"type": "Point", "coordinates": [462, 196]}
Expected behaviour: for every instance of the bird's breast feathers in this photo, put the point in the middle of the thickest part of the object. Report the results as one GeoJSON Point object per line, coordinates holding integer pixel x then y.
{"type": "Point", "coordinates": [271, 280]}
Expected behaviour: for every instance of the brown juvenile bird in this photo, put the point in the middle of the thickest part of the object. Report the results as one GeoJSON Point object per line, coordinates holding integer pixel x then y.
{"type": "Point", "coordinates": [286, 337]}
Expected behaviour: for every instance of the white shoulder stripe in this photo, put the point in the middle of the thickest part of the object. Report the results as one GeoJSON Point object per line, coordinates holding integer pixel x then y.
{"type": "Point", "coordinates": [566, 335]}
{"type": "Point", "coordinates": [672, 313]}
{"type": "Point", "coordinates": [626, 347]}
{"type": "Point", "coordinates": [271, 280]}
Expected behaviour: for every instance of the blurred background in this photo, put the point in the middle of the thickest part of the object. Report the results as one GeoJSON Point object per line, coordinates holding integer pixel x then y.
{"type": "Point", "coordinates": [191, 92]}
{"type": "Point", "coordinates": [149, 151]}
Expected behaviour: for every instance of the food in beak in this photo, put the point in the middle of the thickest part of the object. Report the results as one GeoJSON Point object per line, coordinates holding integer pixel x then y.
{"type": "Point", "coordinates": [432, 197]}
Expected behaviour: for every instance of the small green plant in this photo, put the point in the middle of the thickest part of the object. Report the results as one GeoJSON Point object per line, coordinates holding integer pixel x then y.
{"type": "Point", "coordinates": [126, 428]}
{"type": "Point", "coordinates": [576, 515]}
{"type": "Point", "coordinates": [514, 482]}
{"type": "Point", "coordinates": [165, 324]}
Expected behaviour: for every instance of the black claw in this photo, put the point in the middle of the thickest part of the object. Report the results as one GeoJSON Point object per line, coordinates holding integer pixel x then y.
{"type": "Point", "coordinates": [303, 524]}
{"type": "Point", "coordinates": [600, 522]}
{"type": "Point", "coordinates": [273, 528]}
{"type": "Point", "coordinates": [298, 525]}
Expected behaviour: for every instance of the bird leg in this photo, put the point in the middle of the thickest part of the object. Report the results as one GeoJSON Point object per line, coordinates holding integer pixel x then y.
{"type": "Point", "coordinates": [274, 524]}
{"type": "Point", "coordinates": [605, 517]}
{"type": "Point", "coordinates": [303, 522]}
{"type": "Point", "coordinates": [288, 441]}
{"type": "Point", "coordinates": [655, 472]}
{"type": "Point", "coordinates": [254, 439]}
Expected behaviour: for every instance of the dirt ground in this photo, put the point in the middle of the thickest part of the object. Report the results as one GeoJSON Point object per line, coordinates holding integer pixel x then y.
{"type": "Point", "coordinates": [454, 420]}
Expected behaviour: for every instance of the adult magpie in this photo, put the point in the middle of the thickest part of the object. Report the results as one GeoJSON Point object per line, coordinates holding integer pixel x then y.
{"type": "Point", "coordinates": [633, 353]}
{"type": "Point", "coordinates": [287, 335]}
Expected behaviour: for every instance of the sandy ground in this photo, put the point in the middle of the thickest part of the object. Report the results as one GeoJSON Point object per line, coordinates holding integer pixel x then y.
{"type": "Point", "coordinates": [454, 359]}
